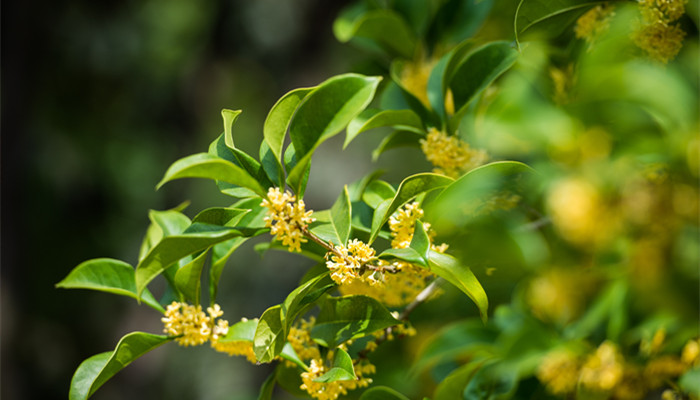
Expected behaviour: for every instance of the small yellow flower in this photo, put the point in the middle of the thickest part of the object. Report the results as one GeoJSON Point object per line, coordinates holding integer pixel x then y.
{"type": "Point", "coordinates": [559, 371]}
{"type": "Point", "coordinates": [691, 352]}
{"type": "Point", "coordinates": [191, 325]}
{"type": "Point", "coordinates": [656, 33]}
{"type": "Point", "coordinates": [603, 369]}
{"type": "Point", "coordinates": [450, 155]}
{"type": "Point", "coordinates": [236, 348]}
{"type": "Point", "coordinates": [346, 269]}
{"type": "Point", "coordinates": [286, 217]}
{"type": "Point", "coordinates": [333, 390]}
{"type": "Point", "coordinates": [594, 22]}
{"type": "Point", "coordinates": [299, 338]}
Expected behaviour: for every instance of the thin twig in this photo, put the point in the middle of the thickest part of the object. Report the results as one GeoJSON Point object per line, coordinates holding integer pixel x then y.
{"type": "Point", "coordinates": [420, 298]}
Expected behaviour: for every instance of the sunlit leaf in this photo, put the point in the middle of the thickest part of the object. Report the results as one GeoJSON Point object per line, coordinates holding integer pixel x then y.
{"type": "Point", "coordinates": [98, 369]}
{"type": "Point", "coordinates": [230, 117]}
{"type": "Point", "coordinates": [341, 217]}
{"type": "Point", "coordinates": [279, 117]}
{"type": "Point", "coordinates": [341, 370]}
{"type": "Point", "coordinates": [269, 335]}
{"type": "Point", "coordinates": [462, 277]}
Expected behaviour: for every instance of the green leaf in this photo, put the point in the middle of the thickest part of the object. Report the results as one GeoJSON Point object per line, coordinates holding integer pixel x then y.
{"type": "Point", "coordinates": [329, 108]}
{"type": "Point", "coordinates": [409, 255]}
{"type": "Point", "coordinates": [462, 277]}
{"type": "Point", "coordinates": [458, 20]}
{"type": "Point", "coordinates": [268, 387]}
{"type": "Point", "coordinates": [289, 354]}
{"type": "Point", "coordinates": [188, 278]}
{"type": "Point", "coordinates": [409, 188]}
{"type": "Point", "coordinates": [376, 192]}
{"type": "Point", "coordinates": [397, 139]}
{"type": "Point", "coordinates": [271, 165]}
{"type": "Point", "coordinates": [107, 275]}
{"type": "Point", "coordinates": [341, 217]}
{"type": "Point", "coordinates": [420, 242]}
{"type": "Point", "coordinates": [349, 317]}
{"type": "Point", "coordinates": [222, 216]}
{"type": "Point", "coordinates": [454, 342]}
{"type": "Point", "coordinates": [478, 70]}
{"type": "Point", "coordinates": [304, 296]}
{"type": "Point", "coordinates": [382, 393]}
{"type": "Point", "coordinates": [460, 201]}
{"type": "Point", "coordinates": [98, 369]}
{"type": "Point", "coordinates": [221, 252]}
{"type": "Point", "coordinates": [269, 335]}
{"type": "Point", "coordinates": [386, 28]}
{"type": "Point", "coordinates": [532, 12]}
{"type": "Point", "coordinates": [204, 165]}
{"type": "Point", "coordinates": [342, 369]}
{"type": "Point", "coordinates": [372, 118]}
{"type": "Point", "coordinates": [279, 117]}
{"type": "Point", "coordinates": [173, 248]}
{"type": "Point", "coordinates": [243, 331]}
{"type": "Point", "coordinates": [452, 387]}
{"type": "Point", "coordinates": [427, 116]}
{"type": "Point", "coordinates": [229, 116]}
{"type": "Point", "coordinates": [690, 381]}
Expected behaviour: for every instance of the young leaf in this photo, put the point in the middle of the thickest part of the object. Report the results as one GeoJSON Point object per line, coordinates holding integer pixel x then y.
{"type": "Point", "coordinates": [269, 335]}
{"type": "Point", "coordinates": [188, 278]}
{"type": "Point", "coordinates": [349, 317]}
{"type": "Point", "coordinates": [289, 354]}
{"type": "Point", "coordinates": [271, 165]}
{"type": "Point", "coordinates": [382, 393]}
{"type": "Point", "coordinates": [376, 192]}
{"type": "Point", "coordinates": [409, 255]}
{"type": "Point", "coordinates": [222, 216]}
{"type": "Point", "coordinates": [462, 277]}
{"type": "Point", "coordinates": [478, 70]}
{"type": "Point", "coordinates": [342, 369]}
{"type": "Point", "coordinates": [241, 331]}
{"type": "Point", "coordinates": [107, 275]}
{"type": "Point", "coordinates": [98, 369]}
{"type": "Point", "coordinates": [204, 165]}
{"type": "Point", "coordinates": [341, 216]}
{"type": "Point", "coordinates": [279, 117]}
{"type": "Point", "coordinates": [388, 29]}
{"type": "Point", "coordinates": [229, 116]}
{"type": "Point", "coordinates": [173, 248]}
{"type": "Point", "coordinates": [373, 118]}
{"type": "Point", "coordinates": [303, 296]}
{"type": "Point", "coordinates": [408, 189]}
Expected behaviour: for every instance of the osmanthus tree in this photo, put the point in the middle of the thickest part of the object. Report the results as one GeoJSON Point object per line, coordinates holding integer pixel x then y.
{"type": "Point", "coordinates": [568, 150]}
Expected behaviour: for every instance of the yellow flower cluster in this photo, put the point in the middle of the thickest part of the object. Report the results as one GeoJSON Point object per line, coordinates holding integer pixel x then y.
{"type": "Point", "coordinates": [450, 155]}
{"type": "Point", "coordinates": [236, 347]}
{"type": "Point", "coordinates": [657, 34]}
{"type": "Point", "coordinates": [346, 269]}
{"type": "Point", "coordinates": [192, 326]}
{"type": "Point", "coordinates": [414, 78]}
{"type": "Point", "coordinates": [559, 295]}
{"type": "Point", "coordinates": [333, 390]}
{"type": "Point", "coordinates": [594, 22]}
{"type": "Point", "coordinates": [606, 371]}
{"type": "Point", "coordinates": [401, 287]}
{"type": "Point", "coordinates": [286, 217]}
{"type": "Point", "coordinates": [299, 338]}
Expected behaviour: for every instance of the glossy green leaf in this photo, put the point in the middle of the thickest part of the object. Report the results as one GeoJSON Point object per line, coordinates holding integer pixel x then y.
{"type": "Point", "coordinates": [220, 149]}
{"type": "Point", "coordinates": [268, 387]}
{"type": "Point", "coordinates": [458, 20]}
{"type": "Point", "coordinates": [341, 370]}
{"type": "Point", "coordinates": [303, 296]}
{"type": "Point", "coordinates": [461, 201]}
{"type": "Point", "coordinates": [409, 255]}
{"type": "Point", "coordinates": [478, 70]}
{"type": "Point", "coordinates": [204, 165]}
{"type": "Point", "coordinates": [229, 116]}
{"type": "Point", "coordinates": [382, 393]}
{"type": "Point", "coordinates": [269, 335]}
{"type": "Point", "coordinates": [328, 109]}
{"type": "Point", "coordinates": [376, 192]}
{"type": "Point", "coordinates": [533, 12]}
{"type": "Point", "coordinates": [241, 331]}
{"type": "Point", "coordinates": [289, 354]}
{"type": "Point", "coordinates": [462, 277]}
{"type": "Point", "coordinates": [452, 387]}
{"type": "Point", "coordinates": [372, 118]}
{"type": "Point", "coordinates": [107, 275]}
{"type": "Point", "coordinates": [279, 117]}
{"type": "Point", "coordinates": [341, 217]}
{"type": "Point", "coordinates": [173, 248]}
{"type": "Point", "coordinates": [188, 278]}
{"type": "Point", "coordinates": [409, 188]}
{"type": "Point", "coordinates": [271, 165]}
{"type": "Point", "coordinates": [420, 242]}
{"type": "Point", "coordinates": [222, 216]}
{"type": "Point", "coordinates": [395, 140]}
{"type": "Point", "coordinates": [98, 369]}
{"type": "Point", "coordinates": [297, 177]}
{"type": "Point", "coordinates": [221, 252]}
{"type": "Point", "coordinates": [349, 317]}
{"type": "Point", "coordinates": [386, 28]}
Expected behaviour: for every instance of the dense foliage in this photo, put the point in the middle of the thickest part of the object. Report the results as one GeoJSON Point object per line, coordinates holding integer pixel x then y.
{"type": "Point", "coordinates": [563, 203]}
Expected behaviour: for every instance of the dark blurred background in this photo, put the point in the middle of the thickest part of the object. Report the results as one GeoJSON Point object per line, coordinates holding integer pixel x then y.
{"type": "Point", "coordinates": [98, 98]}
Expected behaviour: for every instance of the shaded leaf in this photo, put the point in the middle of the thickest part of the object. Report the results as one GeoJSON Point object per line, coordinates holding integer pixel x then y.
{"type": "Point", "coordinates": [373, 118]}
{"type": "Point", "coordinates": [386, 28]}
{"type": "Point", "coordinates": [222, 216]}
{"type": "Point", "coordinates": [98, 369]}
{"type": "Point", "coordinates": [397, 139]}
{"type": "Point", "coordinates": [188, 278]}
{"type": "Point", "coordinates": [532, 12]}
{"type": "Point", "coordinates": [341, 217]}
{"type": "Point", "coordinates": [271, 165]}
{"type": "Point", "coordinates": [382, 393]}
{"type": "Point", "coordinates": [420, 242]}
{"type": "Point", "coordinates": [268, 387]}
{"type": "Point", "coordinates": [452, 387]}
{"type": "Point", "coordinates": [349, 317]}
{"type": "Point", "coordinates": [462, 277]}
{"type": "Point", "coordinates": [279, 117]}
{"type": "Point", "coordinates": [303, 296]}
{"type": "Point", "coordinates": [107, 275]}
{"type": "Point", "coordinates": [341, 370]}
{"type": "Point", "coordinates": [221, 252]}
{"type": "Point", "coordinates": [376, 192]}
